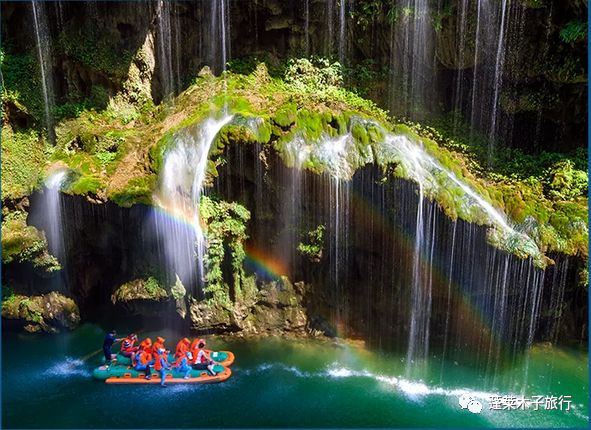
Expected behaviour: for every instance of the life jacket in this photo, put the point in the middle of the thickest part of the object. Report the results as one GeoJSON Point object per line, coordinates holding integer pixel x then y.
{"type": "Point", "coordinates": [181, 348]}
{"type": "Point", "coordinates": [194, 350]}
{"type": "Point", "coordinates": [143, 357]}
{"type": "Point", "coordinates": [127, 344]}
{"type": "Point", "coordinates": [158, 358]}
{"type": "Point", "coordinates": [146, 344]}
{"type": "Point", "coordinates": [158, 344]}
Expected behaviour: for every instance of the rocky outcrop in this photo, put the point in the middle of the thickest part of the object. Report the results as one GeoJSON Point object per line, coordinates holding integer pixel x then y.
{"type": "Point", "coordinates": [49, 313]}
{"type": "Point", "coordinates": [277, 307]}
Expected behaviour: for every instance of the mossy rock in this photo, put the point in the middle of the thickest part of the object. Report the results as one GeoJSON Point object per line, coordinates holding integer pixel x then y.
{"type": "Point", "coordinates": [24, 243]}
{"type": "Point", "coordinates": [50, 312]}
{"type": "Point", "coordinates": [139, 289]}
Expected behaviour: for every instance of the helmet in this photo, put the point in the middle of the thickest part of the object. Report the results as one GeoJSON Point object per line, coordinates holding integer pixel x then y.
{"type": "Point", "coordinates": [185, 340]}
{"type": "Point", "coordinates": [202, 341]}
{"type": "Point", "coordinates": [160, 339]}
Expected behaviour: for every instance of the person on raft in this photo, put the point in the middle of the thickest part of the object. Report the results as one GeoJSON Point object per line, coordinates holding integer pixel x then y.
{"type": "Point", "coordinates": [161, 364]}
{"type": "Point", "coordinates": [181, 348]}
{"type": "Point", "coordinates": [143, 361]}
{"type": "Point", "coordinates": [127, 346]}
{"type": "Point", "coordinates": [183, 364]}
{"type": "Point", "coordinates": [202, 359]}
{"type": "Point", "coordinates": [110, 339]}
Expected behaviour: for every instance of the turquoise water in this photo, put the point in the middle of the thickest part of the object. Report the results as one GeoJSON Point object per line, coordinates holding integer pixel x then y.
{"type": "Point", "coordinates": [279, 383]}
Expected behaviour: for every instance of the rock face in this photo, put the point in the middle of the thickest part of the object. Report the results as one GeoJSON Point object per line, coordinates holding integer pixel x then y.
{"type": "Point", "coordinates": [277, 307]}
{"type": "Point", "coordinates": [49, 313]}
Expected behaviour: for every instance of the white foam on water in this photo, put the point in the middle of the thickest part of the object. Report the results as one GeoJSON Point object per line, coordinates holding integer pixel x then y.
{"type": "Point", "coordinates": [68, 367]}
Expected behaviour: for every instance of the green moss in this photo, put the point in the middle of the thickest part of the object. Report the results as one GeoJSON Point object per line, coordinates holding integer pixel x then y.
{"type": "Point", "coordinates": [226, 226]}
{"type": "Point", "coordinates": [139, 289]}
{"type": "Point", "coordinates": [23, 161]}
{"type": "Point", "coordinates": [286, 115]}
{"type": "Point", "coordinates": [137, 190]}
{"type": "Point", "coordinates": [23, 243]}
{"type": "Point", "coordinates": [87, 185]}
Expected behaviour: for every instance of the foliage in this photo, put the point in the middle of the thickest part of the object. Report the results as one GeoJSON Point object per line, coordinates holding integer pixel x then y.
{"type": "Point", "coordinates": [178, 290]}
{"type": "Point", "coordinates": [23, 159]}
{"type": "Point", "coordinates": [226, 225]}
{"type": "Point", "coordinates": [313, 74]}
{"type": "Point", "coordinates": [21, 82]}
{"type": "Point", "coordinates": [574, 32]}
{"type": "Point", "coordinates": [564, 182]}
{"type": "Point", "coordinates": [315, 244]}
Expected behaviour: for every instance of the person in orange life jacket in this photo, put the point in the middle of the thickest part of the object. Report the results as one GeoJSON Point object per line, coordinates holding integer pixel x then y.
{"type": "Point", "coordinates": [145, 345]}
{"type": "Point", "coordinates": [183, 364]}
{"type": "Point", "coordinates": [161, 364]}
{"type": "Point", "coordinates": [158, 344]}
{"type": "Point", "coordinates": [181, 348]}
{"type": "Point", "coordinates": [144, 360]}
{"type": "Point", "coordinates": [110, 339]}
{"type": "Point", "coordinates": [202, 361]}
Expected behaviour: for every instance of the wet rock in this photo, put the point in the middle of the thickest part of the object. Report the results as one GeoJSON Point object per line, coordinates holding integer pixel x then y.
{"type": "Point", "coordinates": [49, 312]}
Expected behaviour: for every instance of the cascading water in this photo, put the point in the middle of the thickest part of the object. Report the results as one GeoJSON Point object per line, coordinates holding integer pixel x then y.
{"type": "Point", "coordinates": [165, 47]}
{"type": "Point", "coordinates": [44, 54]}
{"type": "Point", "coordinates": [219, 42]}
{"type": "Point", "coordinates": [178, 221]}
{"type": "Point", "coordinates": [412, 57]}
{"type": "Point", "coordinates": [342, 32]}
{"type": "Point", "coordinates": [52, 201]}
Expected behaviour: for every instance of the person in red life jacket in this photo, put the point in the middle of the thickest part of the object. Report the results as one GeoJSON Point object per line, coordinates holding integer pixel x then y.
{"type": "Point", "coordinates": [144, 360]}
{"type": "Point", "coordinates": [127, 346]}
{"type": "Point", "coordinates": [161, 365]}
{"type": "Point", "coordinates": [181, 348]}
{"type": "Point", "coordinates": [183, 364]}
{"type": "Point", "coordinates": [202, 360]}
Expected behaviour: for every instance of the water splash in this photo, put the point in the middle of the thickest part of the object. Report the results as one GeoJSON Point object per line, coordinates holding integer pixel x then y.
{"type": "Point", "coordinates": [68, 367]}
{"type": "Point", "coordinates": [179, 193]}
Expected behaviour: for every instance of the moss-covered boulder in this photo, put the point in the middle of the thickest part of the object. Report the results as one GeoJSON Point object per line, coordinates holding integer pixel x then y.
{"type": "Point", "coordinates": [49, 313]}
{"type": "Point", "coordinates": [23, 243]}
{"type": "Point", "coordinates": [139, 289]}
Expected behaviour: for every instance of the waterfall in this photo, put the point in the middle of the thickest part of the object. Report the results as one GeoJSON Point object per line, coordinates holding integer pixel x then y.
{"type": "Point", "coordinates": [414, 62]}
{"type": "Point", "coordinates": [52, 201]}
{"type": "Point", "coordinates": [178, 223]}
{"type": "Point", "coordinates": [44, 53]}
{"type": "Point", "coordinates": [498, 76]}
{"type": "Point", "coordinates": [219, 43]}
{"type": "Point", "coordinates": [165, 47]}
{"type": "Point", "coordinates": [342, 32]}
